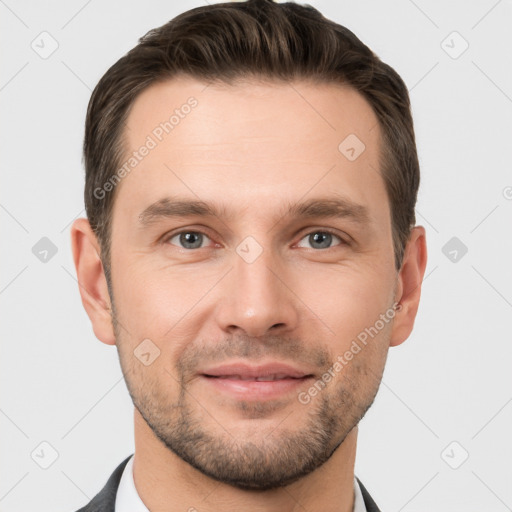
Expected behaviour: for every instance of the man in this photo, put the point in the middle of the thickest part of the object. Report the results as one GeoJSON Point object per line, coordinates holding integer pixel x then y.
{"type": "Point", "coordinates": [251, 250]}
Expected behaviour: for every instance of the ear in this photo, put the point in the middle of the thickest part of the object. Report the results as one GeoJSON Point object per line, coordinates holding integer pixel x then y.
{"type": "Point", "coordinates": [91, 280]}
{"type": "Point", "coordinates": [409, 283]}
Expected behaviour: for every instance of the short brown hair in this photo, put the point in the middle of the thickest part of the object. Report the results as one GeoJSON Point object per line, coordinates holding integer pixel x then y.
{"type": "Point", "coordinates": [235, 40]}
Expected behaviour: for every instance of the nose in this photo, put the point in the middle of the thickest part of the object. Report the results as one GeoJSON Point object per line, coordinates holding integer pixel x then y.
{"type": "Point", "coordinates": [257, 299]}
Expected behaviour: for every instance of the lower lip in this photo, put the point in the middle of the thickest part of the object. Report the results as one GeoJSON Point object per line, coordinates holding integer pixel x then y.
{"type": "Point", "coordinates": [253, 389]}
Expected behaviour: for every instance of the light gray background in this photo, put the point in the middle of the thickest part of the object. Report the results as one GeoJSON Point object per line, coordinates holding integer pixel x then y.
{"type": "Point", "coordinates": [451, 381]}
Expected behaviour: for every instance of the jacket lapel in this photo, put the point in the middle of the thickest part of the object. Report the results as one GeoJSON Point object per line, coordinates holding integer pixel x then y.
{"type": "Point", "coordinates": [368, 500]}
{"type": "Point", "coordinates": [105, 500]}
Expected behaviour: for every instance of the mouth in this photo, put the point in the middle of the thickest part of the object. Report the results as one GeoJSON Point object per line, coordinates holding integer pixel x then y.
{"type": "Point", "coordinates": [261, 378]}
{"type": "Point", "coordinates": [262, 382]}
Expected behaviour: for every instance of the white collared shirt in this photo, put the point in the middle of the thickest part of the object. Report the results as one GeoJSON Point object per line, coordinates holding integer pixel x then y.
{"type": "Point", "coordinates": [128, 499]}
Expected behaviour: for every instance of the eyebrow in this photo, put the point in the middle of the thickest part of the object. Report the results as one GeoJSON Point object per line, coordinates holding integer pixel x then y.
{"type": "Point", "coordinates": [324, 207]}
{"type": "Point", "coordinates": [339, 207]}
{"type": "Point", "coordinates": [169, 207]}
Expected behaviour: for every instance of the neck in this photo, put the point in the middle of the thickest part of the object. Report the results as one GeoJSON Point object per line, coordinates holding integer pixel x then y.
{"type": "Point", "coordinates": [165, 482]}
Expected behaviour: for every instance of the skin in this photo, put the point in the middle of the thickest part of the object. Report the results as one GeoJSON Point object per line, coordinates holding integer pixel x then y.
{"type": "Point", "coordinates": [253, 148]}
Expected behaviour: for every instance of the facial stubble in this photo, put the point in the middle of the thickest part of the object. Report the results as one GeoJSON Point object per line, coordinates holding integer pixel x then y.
{"type": "Point", "coordinates": [189, 427]}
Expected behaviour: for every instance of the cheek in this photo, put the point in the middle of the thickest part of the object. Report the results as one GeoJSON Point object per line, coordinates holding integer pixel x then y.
{"type": "Point", "coordinates": [346, 302]}
{"type": "Point", "coordinates": [151, 300]}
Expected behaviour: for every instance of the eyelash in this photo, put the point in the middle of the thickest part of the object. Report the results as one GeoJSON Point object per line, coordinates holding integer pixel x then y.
{"type": "Point", "coordinates": [343, 242]}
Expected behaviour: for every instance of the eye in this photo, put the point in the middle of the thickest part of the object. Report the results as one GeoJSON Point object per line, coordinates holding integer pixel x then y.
{"type": "Point", "coordinates": [188, 239]}
{"type": "Point", "coordinates": [320, 240]}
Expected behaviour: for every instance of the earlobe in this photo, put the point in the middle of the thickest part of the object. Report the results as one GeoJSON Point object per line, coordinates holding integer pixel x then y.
{"type": "Point", "coordinates": [91, 280]}
{"type": "Point", "coordinates": [410, 279]}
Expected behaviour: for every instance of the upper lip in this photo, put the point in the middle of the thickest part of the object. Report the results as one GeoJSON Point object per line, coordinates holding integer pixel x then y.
{"type": "Point", "coordinates": [254, 371]}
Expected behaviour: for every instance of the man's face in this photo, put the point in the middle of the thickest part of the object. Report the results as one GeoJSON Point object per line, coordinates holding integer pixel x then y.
{"type": "Point", "coordinates": [273, 277]}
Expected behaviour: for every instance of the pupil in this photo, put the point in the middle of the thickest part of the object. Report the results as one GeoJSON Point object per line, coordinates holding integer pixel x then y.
{"type": "Point", "coordinates": [191, 240]}
{"type": "Point", "coordinates": [322, 239]}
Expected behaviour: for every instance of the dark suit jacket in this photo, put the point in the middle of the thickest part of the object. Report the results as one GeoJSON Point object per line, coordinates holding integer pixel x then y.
{"type": "Point", "coordinates": [105, 500]}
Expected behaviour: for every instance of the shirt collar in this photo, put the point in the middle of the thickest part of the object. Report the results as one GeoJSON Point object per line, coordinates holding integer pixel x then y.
{"type": "Point", "coordinates": [128, 499]}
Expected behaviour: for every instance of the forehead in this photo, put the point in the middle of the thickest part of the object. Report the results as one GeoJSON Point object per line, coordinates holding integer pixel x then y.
{"type": "Point", "coordinates": [258, 109]}
{"type": "Point", "coordinates": [249, 142]}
